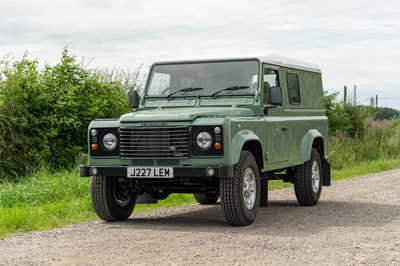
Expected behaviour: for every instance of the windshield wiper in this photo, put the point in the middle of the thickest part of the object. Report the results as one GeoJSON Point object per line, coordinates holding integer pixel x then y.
{"type": "Point", "coordinates": [184, 90]}
{"type": "Point", "coordinates": [232, 88]}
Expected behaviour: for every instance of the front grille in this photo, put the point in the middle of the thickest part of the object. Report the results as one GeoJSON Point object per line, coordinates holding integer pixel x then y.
{"type": "Point", "coordinates": [154, 141]}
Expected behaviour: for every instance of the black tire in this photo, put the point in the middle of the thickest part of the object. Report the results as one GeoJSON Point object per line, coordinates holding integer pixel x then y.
{"type": "Point", "coordinates": [308, 185]}
{"type": "Point", "coordinates": [232, 192]}
{"type": "Point", "coordinates": [112, 200]}
{"type": "Point", "coordinates": [206, 198]}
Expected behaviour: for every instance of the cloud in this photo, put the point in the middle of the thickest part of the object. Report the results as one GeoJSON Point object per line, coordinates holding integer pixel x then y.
{"type": "Point", "coordinates": [355, 42]}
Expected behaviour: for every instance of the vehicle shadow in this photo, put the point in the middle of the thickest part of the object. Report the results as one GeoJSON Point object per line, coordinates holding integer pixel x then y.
{"type": "Point", "coordinates": [279, 218]}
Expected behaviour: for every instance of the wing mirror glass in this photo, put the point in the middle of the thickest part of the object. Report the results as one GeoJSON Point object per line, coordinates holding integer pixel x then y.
{"type": "Point", "coordinates": [276, 95]}
{"type": "Point", "coordinates": [133, 99]}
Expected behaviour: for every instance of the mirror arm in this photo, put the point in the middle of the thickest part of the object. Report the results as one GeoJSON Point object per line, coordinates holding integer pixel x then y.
{"type": "Point", "coordinates": [269, 107]}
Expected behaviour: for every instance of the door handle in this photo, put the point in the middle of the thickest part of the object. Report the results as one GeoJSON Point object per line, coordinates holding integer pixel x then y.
{"type": "Point", "coordinates": [284, 128]}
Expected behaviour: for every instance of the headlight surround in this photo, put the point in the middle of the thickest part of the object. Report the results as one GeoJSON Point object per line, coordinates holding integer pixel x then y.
{"type": "Point", "coordinates": [204, 140]}
{"type": "Point", "coordinates": [109, 142]}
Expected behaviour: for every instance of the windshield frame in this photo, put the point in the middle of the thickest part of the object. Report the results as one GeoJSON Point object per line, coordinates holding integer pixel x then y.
{"type": "Point", "coordinates": [234, 93]}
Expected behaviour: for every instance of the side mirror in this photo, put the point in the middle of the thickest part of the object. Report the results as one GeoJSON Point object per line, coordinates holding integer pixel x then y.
{"type": "Point", "coordinates": [133, 99]}
{"type": "Point", "coordinates": [276, 95]}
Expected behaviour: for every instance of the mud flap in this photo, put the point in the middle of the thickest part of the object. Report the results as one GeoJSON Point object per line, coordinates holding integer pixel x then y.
{"type": "Point", "coordinates": [326, 171]}
{"type": "Point", "coordinates": [263, 190]}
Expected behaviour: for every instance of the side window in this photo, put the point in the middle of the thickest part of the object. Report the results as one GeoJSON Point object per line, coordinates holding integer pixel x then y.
{"type": "Point", "coordinates": [270, 79]}
{"type": "Point", "coordinates": [293, 88]}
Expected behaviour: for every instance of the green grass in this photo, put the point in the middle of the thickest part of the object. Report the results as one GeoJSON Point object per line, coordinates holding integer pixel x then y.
{"type": "Point", "coordinates": [20, 219]}
{"type": "Point", "coordinates": [359, 169]}
{"type": "Point", "coordinates": [47, 200]}
{"type": "Point", "coordinates": [364, 168]}
{"type": "Point", "coordinates": [44, 200]}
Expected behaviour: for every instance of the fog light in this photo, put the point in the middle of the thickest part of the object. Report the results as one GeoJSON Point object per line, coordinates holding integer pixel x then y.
{"type": "Point", "coordinates": [210, 171]}
{"type": "Point", "coordinates": [93, 171]}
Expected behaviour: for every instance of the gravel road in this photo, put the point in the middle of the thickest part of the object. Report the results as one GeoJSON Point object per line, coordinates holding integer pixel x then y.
{"type": "Point", "coordinates": [357, 221]}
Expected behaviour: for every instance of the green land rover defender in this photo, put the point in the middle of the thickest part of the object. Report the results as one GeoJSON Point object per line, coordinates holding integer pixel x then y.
{"type": "Point", "coordinates": [219, 129]}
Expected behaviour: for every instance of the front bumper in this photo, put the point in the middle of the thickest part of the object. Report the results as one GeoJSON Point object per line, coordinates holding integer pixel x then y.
{"type": "Point", "coordinates": [179, 172]}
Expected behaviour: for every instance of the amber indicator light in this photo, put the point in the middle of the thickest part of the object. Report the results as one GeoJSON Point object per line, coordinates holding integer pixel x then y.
{"type": "Point", "coordinates": [94, 147]}
{"type": "Point", "coordinates": [217, 145]}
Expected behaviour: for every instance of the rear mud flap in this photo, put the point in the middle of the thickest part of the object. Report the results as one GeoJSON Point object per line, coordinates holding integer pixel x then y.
{"type": "Point", "coordinates": [263, 190]}
{"type": "Point", "coordinates": [326, 171]}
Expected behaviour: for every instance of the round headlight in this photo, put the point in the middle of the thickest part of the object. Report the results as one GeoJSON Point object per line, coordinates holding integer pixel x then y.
{"type": "Point", "coordinates": [110, 141]}
{"type": "Point", "coordinates": [204, 140]}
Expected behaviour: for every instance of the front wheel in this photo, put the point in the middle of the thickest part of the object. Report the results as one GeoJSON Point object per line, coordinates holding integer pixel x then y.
{"type": "Point", "coordinates": [112, 200]}
{"type": "Point", "coordinates": [240, 195]}
{"type": "Point", "coordinates": [308, 180]}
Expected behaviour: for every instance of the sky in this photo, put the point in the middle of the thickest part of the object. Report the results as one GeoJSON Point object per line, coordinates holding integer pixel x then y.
{"type": "Point", "coordinates": [355, 42]}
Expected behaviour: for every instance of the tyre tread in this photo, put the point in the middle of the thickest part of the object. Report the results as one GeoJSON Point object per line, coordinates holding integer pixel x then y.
{"type": "Point", "coordinates": [302, 186]}
{"type": "Point", "coordinates": [230, 195]}
{"type": "Point", "coordinates": [99, 198]}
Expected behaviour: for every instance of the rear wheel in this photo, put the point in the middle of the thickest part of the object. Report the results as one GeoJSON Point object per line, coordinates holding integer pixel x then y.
{"type": "Point", "coordinates": [206, 198]}
{"type": "Point", "coordinates": [240, 195]}
{"type": "Point", "coordinates": [112, 200]}
{"type": "Point", "coordinates": [308, 180]}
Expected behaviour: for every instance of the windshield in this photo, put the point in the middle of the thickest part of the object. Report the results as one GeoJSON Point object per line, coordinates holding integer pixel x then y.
{"type": "Point", "coordinates": [214, 78]}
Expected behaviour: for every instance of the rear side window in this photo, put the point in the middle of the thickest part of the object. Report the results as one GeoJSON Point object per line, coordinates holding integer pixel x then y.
{"type": "Point", "coordinates": [293, 88]}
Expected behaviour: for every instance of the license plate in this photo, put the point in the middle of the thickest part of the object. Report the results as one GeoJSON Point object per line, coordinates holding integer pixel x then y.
{"type": "Point", "coordinates": [150, 172]}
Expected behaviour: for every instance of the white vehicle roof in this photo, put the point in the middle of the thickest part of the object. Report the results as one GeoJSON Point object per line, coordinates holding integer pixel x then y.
{"type": "Point", "coordinates": [272, 59]}
{"type": "Point", "coordinates": [279, 60]}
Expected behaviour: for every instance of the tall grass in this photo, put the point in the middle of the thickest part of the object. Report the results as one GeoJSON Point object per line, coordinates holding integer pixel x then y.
{"type": "Point", "coordinates": [381, 141]}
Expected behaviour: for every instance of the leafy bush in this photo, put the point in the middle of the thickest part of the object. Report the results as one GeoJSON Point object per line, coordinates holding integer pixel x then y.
{"type": "Point", "coordinates": [347, 118]}
{"type": "Point", "coordinates": [383, 113]}
{"type": "Point", "coordinates": [44, 114]}
{"type": "Point", "coordinates": [360, 117]}
{"type": "Point", "coordinates": [339, 119]}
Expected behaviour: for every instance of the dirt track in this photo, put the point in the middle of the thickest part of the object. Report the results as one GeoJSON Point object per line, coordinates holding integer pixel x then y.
{"type": "Point", "coordinates": [357, 221]}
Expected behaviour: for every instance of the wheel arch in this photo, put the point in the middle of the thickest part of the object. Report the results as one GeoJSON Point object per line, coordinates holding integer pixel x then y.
{"type": "Point", "coordinates": [312, 139]}
{"type": "Point", "coordinates": [318, 144]}
{"type": "Point", "coordinates": [249, 141]}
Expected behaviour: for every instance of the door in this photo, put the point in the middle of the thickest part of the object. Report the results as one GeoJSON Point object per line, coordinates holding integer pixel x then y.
{"type": "Point", "coordinates": [276, 136]}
